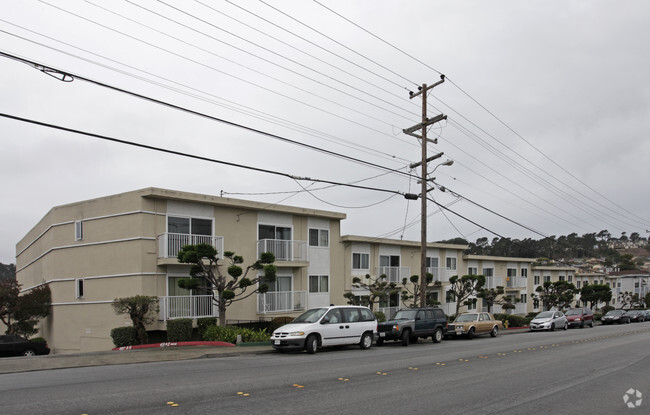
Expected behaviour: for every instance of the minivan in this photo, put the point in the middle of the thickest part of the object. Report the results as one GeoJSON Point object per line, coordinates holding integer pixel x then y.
{"type": "Point", "coordinates": [580, 317]}
{"type": "Point", "coordinates": [327, 326]}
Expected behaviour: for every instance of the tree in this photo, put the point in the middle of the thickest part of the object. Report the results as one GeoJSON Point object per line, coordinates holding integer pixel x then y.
{"type": "Point", "coordinates": [378, 289]}
{"type": "Point", "coordinates": [21, 313]}
{"type": "Point", "coordinates": [492, 296]}
{"type": "Point", "coordinates": [626, 262]}
{"type": "Point", "coordinates": [461, 289]}
{"type": "Point", "coordinates": [558, 294]}
{"type": "Point", "coordinates": [596, 293]}
{"type": "Point", "coordinates": [206, 273]}
{"type": "Point", "coordinates": [411, 296]}
{"type": "Point", "coordinates": [141, 310]}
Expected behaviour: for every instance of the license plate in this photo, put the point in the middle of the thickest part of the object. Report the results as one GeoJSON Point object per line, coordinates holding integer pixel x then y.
{"type": "Point", "coordinates": [277, 342]}
{"type": "Point", "coordinates": [382, 334]}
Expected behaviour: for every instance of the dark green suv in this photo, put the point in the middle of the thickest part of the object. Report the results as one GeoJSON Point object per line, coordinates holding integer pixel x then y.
{"type": "Point", "coordinates": [410, 324]}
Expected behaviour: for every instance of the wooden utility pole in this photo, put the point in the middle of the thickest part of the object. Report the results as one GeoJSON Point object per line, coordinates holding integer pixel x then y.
{"type": "Point", "coordinates": [424, 162]}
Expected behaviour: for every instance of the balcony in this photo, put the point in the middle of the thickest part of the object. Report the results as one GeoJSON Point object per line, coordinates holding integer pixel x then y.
{"type": "Point", "coordinates": [281, 301]}
{"type": "Point", "coordinates": [186, 306]}
{"type": "Point", "coordinates": [440, 274]}
{"type": "Point", "coordinates": [284, 250]}
{"type": "Point", "coordinates": [395, 274]}
{"type": "Point", "coordinates": [170, 243]}
{"type": "Point", "coordinates": [516, 282]}
{"type": "Point", "coordinates": [493, 282]}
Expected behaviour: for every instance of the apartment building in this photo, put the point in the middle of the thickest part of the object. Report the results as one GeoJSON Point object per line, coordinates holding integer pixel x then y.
{"type": "Point", "coordinates": [94, 251]}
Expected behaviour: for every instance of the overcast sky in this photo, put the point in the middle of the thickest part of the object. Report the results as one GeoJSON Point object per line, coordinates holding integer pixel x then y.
{"type": "Point", "coordinates": [547, 105]}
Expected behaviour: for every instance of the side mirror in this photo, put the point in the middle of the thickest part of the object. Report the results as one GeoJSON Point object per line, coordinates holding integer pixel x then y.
{"type": "Point", "coordinates": [325, 320]}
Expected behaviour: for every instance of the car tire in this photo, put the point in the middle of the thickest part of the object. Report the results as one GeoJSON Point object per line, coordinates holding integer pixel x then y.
{"type": "Point", "coordinates": [437, 336]}
{"type": "Point", "coordinates": [380, 342]}
{"type": "Point", "coordinates": [471, 333]}
{"type": "Point", "coordinates": [592, 324]}
{"type": "Point", "coordinates": [494, 332]}
{"type": "Point", "coordinates": [406, 334]}
{"type": "Point", "coordinates": [311, 344]}
{"type": "Point", "coordinates": [29, 352]}
{"type": "Point", "coordinates": [552, 327]}
{"type": "Point", "coordinates": [566, 326]}
{"type": "Point", "coordinates": [366, 341]}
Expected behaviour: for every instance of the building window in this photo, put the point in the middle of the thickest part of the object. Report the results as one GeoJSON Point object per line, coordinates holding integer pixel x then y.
{"type": "Point", "coordinates": [523, 298]}
{"type": "Point", "coordinates": [360, 261]}
{"type": "Point", "coordinates": [389, 260]}
{"type": "Point", "coordinates": [536, 303]}
{"type": "Point", "coordinates": [561, 277]}
{"type": "Point", "coordinates": [547, 278]}
{"type": "Point", "coordinates": [512, 272]}
{"type": "Point", "coordinates": [472, 304]}
{"type": "Point", "coordinates": [78, 230]}
{"type": "Point", "coordinates": [319, 284]}
{"type": "Point", "coordinates": [432, 262]}
{"type": "Point", "coordinates": [319, 237]}
{"type": "Point", "coordinates": [488, 272]}
{"type": "Point", "coordinates": [282, 233]}
{"type": "Point", "coordinates": [577, 284]}
{"type": "Point", "coordinates": [472, 271]}
{"type": "Point", "coordinates": [524, 272]}
{"type": "Point", "coordinates": [79, 288]}
{"type": "Point", "coordinates": [570, 278]}
{"type": "Point", "coordinates": [536, 279]}
{"type": "Point", "coordinates": [451, 263]}
{"type": "Point", "coordinates": [189, 226]}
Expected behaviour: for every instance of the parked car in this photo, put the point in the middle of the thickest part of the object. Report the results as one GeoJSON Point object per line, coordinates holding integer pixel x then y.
{"type": "Point", "coordinates": [580, 317]}
{"type": "Point", "coordinates": [327, 326]}
{"type": "Point", "coordinates": [615, 316]}
{"type": "Point", "coordinates": [646, 315]}
{"type": "Point", "coordinates": [17, 346]}
{"type": "Point", "coordinates": [549, 320]}
{"type": "Point", "coordinates": [474, 324]}
{"type": "Point", "coordinates": [410, 324]}
{"type": "Point", "coordinates": [636, 316]}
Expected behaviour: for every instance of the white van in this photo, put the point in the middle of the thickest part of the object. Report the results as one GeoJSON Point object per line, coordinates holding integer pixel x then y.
{"type": "Point", "coordinates": [327, 326]}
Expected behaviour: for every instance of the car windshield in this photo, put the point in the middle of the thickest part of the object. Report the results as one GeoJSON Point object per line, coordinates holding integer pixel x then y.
{"type": "Point", "coordinates": [466, 317]}
{"type": "Point", "coordinates": [310, 316]}
{"type": "Point", "coordinates": [614, 313]}
{"type": "Point", "coordinates": [545, 314]}
{"type": "Point", "coordinates": [573, 313]}
{"type": "Point", "coordinates": [405, 315]}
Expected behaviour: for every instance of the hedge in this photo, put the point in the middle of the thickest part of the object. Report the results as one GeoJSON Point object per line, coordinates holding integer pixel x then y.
{"type": "Point", "coordinates": [203, 323]}
{"type": "Point", "coordinates": [179, 330]}
{"type": "Point", "coordinates": [124, 336]}
{"type": "Point", "coordinates": [278, 322]}
{"type": "Point", "coordinates": [229, 334]}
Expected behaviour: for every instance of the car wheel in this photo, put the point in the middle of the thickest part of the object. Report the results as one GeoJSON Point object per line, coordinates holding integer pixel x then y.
{"type": "Point", "coordinates": [494, 332]}
{"type": "Point", "coordinates": [366, 341]}
{"type": "Point", "coordinates": [471, 333]}
{"type": "Point", "coordinates": [592, 324]}
{"type": "Point", "coordinates": [29, 352]}
{"type": "Point", "coordinates": [380, 342]}
{"type": "Point", "coordinates": [566, 326]}
{"type": "Point", "coordinates": [437, 336]}
{"type": "Point", "coordinates": [552, 327]}
{"type": "Point", "coordinates": [405, 337]}
{"type": "Point", "coordinates": [311, 344]}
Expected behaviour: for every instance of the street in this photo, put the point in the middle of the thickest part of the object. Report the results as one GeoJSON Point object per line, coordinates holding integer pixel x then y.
{"type": "Point", "coordinates": [578, 371]}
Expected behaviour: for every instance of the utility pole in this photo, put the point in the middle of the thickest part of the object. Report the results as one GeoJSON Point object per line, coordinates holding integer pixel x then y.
{"type": "Point", "coordinates": [423, 195]}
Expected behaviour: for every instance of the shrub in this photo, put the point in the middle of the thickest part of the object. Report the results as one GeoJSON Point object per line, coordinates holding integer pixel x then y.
{"type": "Point", "coordinates": [381, 317]}
{"type": "Point", "coordinates": [607, 308]}
{"type": "Point", "coordinates": [517, 321]}
{"type": "Point", "coordinates": [179, 330]}
{"type": "Point", "coordinates": [229, 334]}
{"type": "Point", "coordinates": [278, 322]}
{"type": "Point", "coordinates": [203, 323]}
{"type": "Point", "coordinates": [598, 316]}
{"type": "Point", "coordinates": [124, 336]}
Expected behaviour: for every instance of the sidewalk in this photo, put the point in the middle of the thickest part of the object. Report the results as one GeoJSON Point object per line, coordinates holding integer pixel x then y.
{"type": "Point", "coordinates": [121, 357]}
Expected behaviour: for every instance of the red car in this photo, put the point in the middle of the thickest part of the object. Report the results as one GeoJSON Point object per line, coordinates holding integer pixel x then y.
{"type": "Point", "coordinates": [580, 317]}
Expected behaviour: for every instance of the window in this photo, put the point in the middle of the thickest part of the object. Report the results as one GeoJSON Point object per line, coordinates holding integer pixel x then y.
{"type": "Point", "coordinates": [524, 272]}
{"type": "Point", "coordinates": [360, 261]}
{"type": "Point", "coordinates": [79, 288]}
{"type": "Point", "coordinates": [78, 230]}
{"type": "Point", "coordinates": [281, 284]}
{"type": "Point", "coordinates": [366, 315]}
{"type": "Point", "coordinates": [318, 284]}
{"type": "Point", "coordinates": [319, 237]}
{"type": "Point", "coordinates": [547, 278]}
{"type": "Point", "coordinates": [389, 260]}
{"type": "Point", "coordinates": [536, 280]}
{"type": "Point", "coordinates": [577, 284]}
{"type": "Point", "coordinates": [570, 278]}
{"type": "Point", "coordinates": [274, 232]}
{"type": "Point", "coordinates": [472, 304]}
{"type": "Point", "coordinates": [512, 272]}
{"type": "Point", "coordinates": [185, 226]}
{"type": "Point", "coordinates": [561, 277]}
{"type": "Point", "coordinates": [536, 303]}
{"type": "Point", "coordinates": [488, 272]}
{"type": "Point", "coordinates": [451, 263]}
{"type": "Point", "coordinates": [472, 271]}
{"type": "Point", "coordinates": [432, 262]}
{"type": "Point", "coordinates": [523, 298]}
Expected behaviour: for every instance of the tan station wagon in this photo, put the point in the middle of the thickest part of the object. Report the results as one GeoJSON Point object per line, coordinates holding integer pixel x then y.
{"type": "Point", "coordinates": [473, 324]}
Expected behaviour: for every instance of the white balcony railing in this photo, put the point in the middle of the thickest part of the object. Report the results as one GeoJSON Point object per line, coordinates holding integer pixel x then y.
{"type": "Point", "coordinates": [493, 282]}
{"type": "Point", "coordinates": [284, 250]}
{"type": "Point", "coordinates": [395, 274]}
{"type": "Point", "coordinates": [170, 243]}
{"type": "Point", "coordinates": [516, 282]}
{"type": "Point", "coordinates": [440, 274]}
{"type": "Point", "coordinates": [284, 301]}
{"type": "Point", "coordinates": [186, 306]}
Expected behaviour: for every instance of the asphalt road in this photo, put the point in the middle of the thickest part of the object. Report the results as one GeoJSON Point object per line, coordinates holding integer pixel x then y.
{"type": "Point", "coordinates": [584, 371]}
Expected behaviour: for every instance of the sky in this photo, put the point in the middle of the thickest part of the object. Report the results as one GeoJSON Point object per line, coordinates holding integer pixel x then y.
{"type": "Point", "coordinates": [547, 105]}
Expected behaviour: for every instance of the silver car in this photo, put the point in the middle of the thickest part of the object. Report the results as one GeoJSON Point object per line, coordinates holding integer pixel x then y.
{"type": "Point", "coordinates": [549, 320]}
